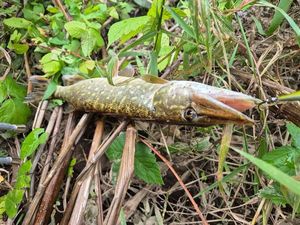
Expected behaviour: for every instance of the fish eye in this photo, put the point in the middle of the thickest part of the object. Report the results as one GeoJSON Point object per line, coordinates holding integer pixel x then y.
{"type": "Point", "coordinates": [190, 114]}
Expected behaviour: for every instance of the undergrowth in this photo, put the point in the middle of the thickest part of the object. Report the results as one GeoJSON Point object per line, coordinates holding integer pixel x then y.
{"type": "Point", "coordinates": [198, 40]}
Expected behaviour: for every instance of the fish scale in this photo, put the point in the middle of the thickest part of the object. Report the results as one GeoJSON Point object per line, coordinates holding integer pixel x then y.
{"type": "Point", "coordinates": [153, 99]}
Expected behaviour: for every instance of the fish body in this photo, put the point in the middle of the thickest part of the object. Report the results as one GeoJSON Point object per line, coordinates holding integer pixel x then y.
{"type": "Point", "coordinates": [179, 102]}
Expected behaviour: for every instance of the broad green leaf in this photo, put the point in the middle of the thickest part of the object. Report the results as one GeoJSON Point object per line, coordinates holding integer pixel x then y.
{"type": "Point", "coordinates": [87, 66]}
{"type": "Point", "coordinates": [278, 17]}
{"type": "Point", "coordinates": [20, 48]}
{"type": "Point", "coordinates": [145, 166]}
{"type": "Point", "coordinates": [12, 89]}
{"type": "Point", "coordinates": [88, 42]}
{"type": "Point", "coordinates": [115, 150]}
{"type": "Point", "coordinates": [51, 63]}
{"type": "Point", "coordinates": [17, 22]}
{"type": "Point", "coordinates": [49, 57]}
{"type": "Point", "coordinates": [32, 142]}
{"type": "Point", "coordinates": [23, 178]}
{"type": "Point", "coordinates": [127, 28]}
{"type": "Point", "coordinates": [295, 132]}
{"type": "Point", "coordinates": [51, 68]}
{"type": "Point", "coordinates": [14, 111]}
{"type": "Point", "coordinates": [33, 13]}
{"type": "Point", "coordinates": [273, 172]}
{"type": "Point", "coordinates": [181, 22]}
{"type": "Point", "coordinates": [3, 92]}
{"type": "Point", "coordinates": [12, 201]}
{"type": "Point", "coordinates": [2, 206]}
{"type": "Point", "coordinates": [283, 158]}
{"type": "Point", "coordinates": [272, 194]}
{"type": "Point", "coordinates": [76, 29]}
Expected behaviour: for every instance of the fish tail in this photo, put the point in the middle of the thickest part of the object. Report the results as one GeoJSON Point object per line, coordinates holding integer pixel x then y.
{"type": "Point", "coordinates": [39, 86]}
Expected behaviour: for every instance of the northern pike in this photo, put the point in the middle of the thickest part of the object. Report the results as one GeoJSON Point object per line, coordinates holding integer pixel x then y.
{"type": "Point", "coordinates": [153, 99]}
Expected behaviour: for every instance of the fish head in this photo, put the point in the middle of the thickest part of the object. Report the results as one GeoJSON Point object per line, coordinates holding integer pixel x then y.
{"type": "Point", "coordinates": [196, 104]}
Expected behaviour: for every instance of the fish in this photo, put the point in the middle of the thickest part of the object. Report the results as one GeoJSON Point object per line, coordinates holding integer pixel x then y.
{"type": "Point", "coordinates": [150, 98]}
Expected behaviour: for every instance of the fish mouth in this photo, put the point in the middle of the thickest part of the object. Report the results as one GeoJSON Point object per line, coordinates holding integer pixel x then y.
{"type": "Point", "coordinates": [223, 109]}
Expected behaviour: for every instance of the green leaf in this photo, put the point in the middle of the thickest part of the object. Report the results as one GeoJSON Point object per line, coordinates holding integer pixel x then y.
{"type": "Point", "coordinates": [23, 178]}
{"type": "Point", "coordinates": [88, 42]}
{"type": "Point", "coordinates": [12, 201]}
{"type": "Point", "coordinates": [278, 17]}
{"type": "Point", "coordinates": [273, 172]}
{"type": "Point", "coordinates": [181, 22]}
{"type": "Point", "coordinates": [51, 63]}
{"type": "Point", "coordinates": [2, 206]}
{"type": "Point", "coordinates": [287, 17]}
{"type": "Point", "coordinates": [282, 158]}
{"type": "Point", "coordinates": [75, 28]}
{"type": "Point", "coordinates": [87, 66]}
{"type": "Point", "coordinates": [14, 111]}
{"type": "Point", "coordinates": [32, 142]}
{"type": "Point", "coordinates": [112, 66]}
{"type": "Point", "coordinates": [115, 150]}
{"type": "Point", "coordinates": [258, 25]}
{"type": "Point", "coordinates": [145, 166]}
{"type": "Point", "coordinates": [12, 89]}
{"type": "Point", "coordinates": [295, 132]}
{"type": "Point", "coordinates": [51, 68]}
{"type": "Point", "coordinates": [153, 67]}
{"type": "Point", "coordinates": [272, 194]}
{"type": "Point", "coordinates": [49, 57]}
{"type": "Point", "coordinates": [17, 22]}
{"type": "Point", "coordinates": [127, 28]}
{"type": "Point", "coordinates": [51, 88]}
{"type": "Point", "coordinates": [20, 48]}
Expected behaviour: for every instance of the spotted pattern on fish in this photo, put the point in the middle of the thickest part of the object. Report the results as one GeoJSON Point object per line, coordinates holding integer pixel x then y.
{"type": "Point", "coordinates": [145, 99]}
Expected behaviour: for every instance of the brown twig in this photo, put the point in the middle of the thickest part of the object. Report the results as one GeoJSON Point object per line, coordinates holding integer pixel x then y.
{"type": "Point", "coordinates": [52, 145]}
{"type": "Point", "coordinates": [28, 73]}
{"type": "Point", "coordinates": [101, 149]}
{"type": "Point", "coordinates": [40, 113]}
{"type": "Point", "coordinates": [64, 152]}
{"type": "Point", "coordinates": [179, 180]}
{"type": "Point", "coordinates": [82, 197]}
{"type": "Point", "coordinates": [53, 187]}
{"type": "Point", "coordinates": [63, 10]}
{"type": "Point", "coordinates": [124, 177]}
{"type": "Point", "coordinates": [41, 148]}
{"type": "Point", "coordinates": [90, 165]}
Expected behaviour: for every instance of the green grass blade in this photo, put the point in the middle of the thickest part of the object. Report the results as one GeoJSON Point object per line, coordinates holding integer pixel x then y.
{"type": "Point", "coordinates": [273, 172]}
{"type": "Point", "coordinates": [258, 25]}
{"type": "Point", "coordinates": [139, 41]}
{"type": "Point", "coordinates": [278, 17]}
{"type": "Point", "coordinates": [295, 96]}
{"type": "Point", "coordinates": [286, 16]}
{"type": "Point", "coordinates": [181, 22]}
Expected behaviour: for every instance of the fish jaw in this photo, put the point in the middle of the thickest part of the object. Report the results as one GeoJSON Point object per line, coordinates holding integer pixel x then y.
{"type": "Point", "coordinates": [214, 111]}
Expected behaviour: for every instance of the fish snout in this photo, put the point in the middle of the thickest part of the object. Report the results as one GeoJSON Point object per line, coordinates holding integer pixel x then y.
{"type": "Point", "coordinates": [223, 109]}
